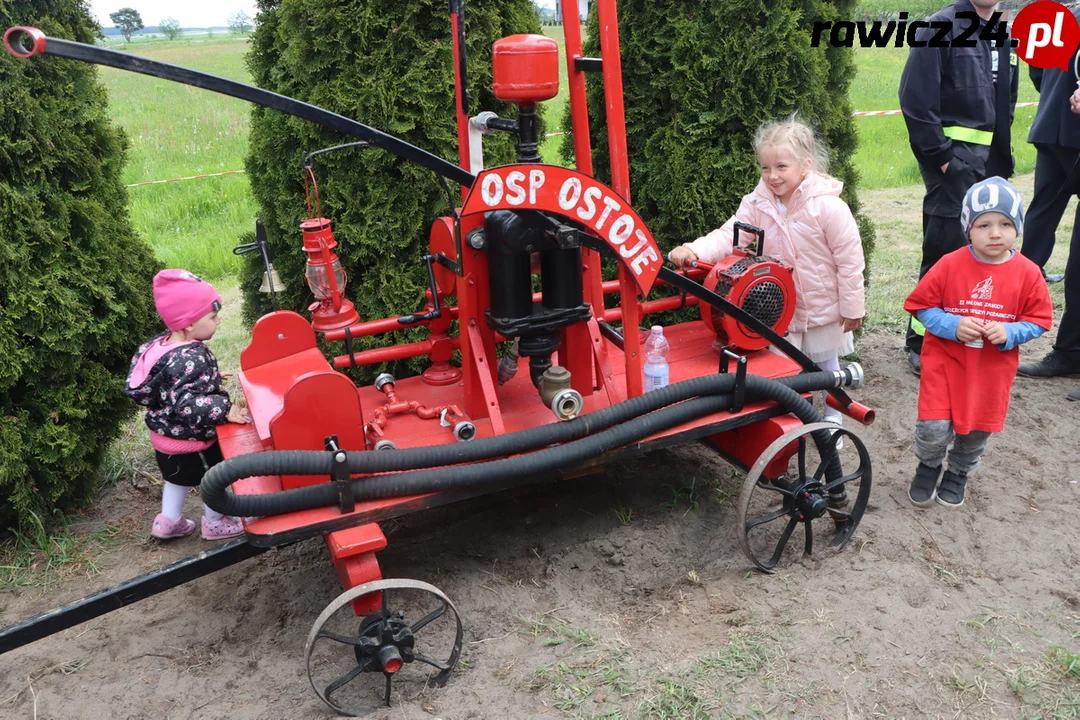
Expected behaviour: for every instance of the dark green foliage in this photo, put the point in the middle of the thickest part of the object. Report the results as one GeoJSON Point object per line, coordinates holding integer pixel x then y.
{"type": "Point", "coordinates": [387, 64]}
{"type": "Point", "coordinates": [700, 76]}
{"type": "Point", "coordinates": [75, 299]}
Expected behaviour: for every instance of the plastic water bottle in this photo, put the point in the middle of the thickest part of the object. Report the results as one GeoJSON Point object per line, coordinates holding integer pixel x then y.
{"type": "Point", "coordinates": [656, 364]}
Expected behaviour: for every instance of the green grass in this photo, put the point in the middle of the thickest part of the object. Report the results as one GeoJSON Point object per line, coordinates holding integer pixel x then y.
{"type": "Point", "coordinates": [554, 108]}
{"type": "Point", "coordinates": [179, 131]}
{"type": "Point", "coordinates": [884, 158]}
{"type": "Point", "coordinates": [48, 551]}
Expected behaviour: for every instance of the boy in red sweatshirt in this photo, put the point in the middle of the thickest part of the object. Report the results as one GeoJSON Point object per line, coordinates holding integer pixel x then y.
{"type": "Point", "coordinates": [978, 304]}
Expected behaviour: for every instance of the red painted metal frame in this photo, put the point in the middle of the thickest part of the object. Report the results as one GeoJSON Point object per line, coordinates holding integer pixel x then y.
{"type": "Point", "coordinates": [579, 130]}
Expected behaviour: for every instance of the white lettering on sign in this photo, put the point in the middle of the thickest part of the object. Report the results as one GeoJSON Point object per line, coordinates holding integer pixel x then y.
{"type": "Point", "coordinates": [580, 197]}
{"type": "Point", "coordinates": [591, 194]}
{"type": "Point", "coordinates": [515, 194]}
{"type": "Point", "coordinates": [570, 193]}
{"type": "Point", "coordinates": [611, 204]}
{"type": "Point", "coordinates": [645, 258]}
{"type": "Point", "coordinates": [492, 190]}
{"type": "Point", "coordinates": [536, 181]}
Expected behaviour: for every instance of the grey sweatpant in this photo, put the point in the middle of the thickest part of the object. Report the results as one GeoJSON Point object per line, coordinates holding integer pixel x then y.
{"type": "Point", "coordinates": [932, 440]}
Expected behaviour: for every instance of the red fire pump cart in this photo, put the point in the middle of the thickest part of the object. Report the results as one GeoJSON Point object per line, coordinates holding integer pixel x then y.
{"type": "Point", "coordinates": [326, 458]}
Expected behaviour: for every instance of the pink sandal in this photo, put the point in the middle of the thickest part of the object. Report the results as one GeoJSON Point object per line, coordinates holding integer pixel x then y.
{"type": "Point", "coordinates": [226, 527]}
{"type": "Point", "coordinates": [166, 529]}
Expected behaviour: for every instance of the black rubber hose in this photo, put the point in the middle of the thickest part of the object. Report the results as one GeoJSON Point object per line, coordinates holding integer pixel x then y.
{"type": "Point", "coordinates": [298, 462]}
{"type": "Point", "coordinates": [544, 435]}
{"type": "Point", "coordinates": [555, 433]}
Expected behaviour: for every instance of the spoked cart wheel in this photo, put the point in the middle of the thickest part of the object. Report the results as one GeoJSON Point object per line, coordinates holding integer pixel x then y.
{"type": "Point", "coordinates": [827, 484]}
{"type": "Point", "coordinates": [342, 661]}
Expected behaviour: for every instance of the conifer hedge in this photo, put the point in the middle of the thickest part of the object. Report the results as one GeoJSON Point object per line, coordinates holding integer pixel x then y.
{"type": "Point", "coordinates": [389, 65]}
{"type": "Point", "coordinates": [75, 294]}
{"type": "Point", "coordinates": [699, 77]}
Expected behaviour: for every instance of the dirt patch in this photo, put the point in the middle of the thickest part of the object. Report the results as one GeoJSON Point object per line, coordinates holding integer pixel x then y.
{"type": "Point", "coordinates": [626, 595]}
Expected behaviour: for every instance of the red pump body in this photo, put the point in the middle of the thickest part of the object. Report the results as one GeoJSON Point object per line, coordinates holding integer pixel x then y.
{"type": "Point", "coordinates": [525, 69]}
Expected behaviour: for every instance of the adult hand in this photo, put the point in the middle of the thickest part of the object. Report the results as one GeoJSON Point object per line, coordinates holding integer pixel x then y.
{"type": "Point", "coordinates": [969, 329]}
{"type": "Point", "coordinates": [995, 332]}
{"type": "Point", "coordinates": [1074, 101]}
{"type": "Point", "coordinates": [682, 256]}
{"type": "Point", "coordinates": [238, 415]}
{"type": "Point", "coordinates": [850, 325]}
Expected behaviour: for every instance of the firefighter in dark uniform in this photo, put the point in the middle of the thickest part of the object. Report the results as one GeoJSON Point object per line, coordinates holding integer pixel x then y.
{"type": "Point", "coordinates": [1055, 133]}
{"type": "Point", "coordinates": [1064, 359]}
{"type": "Point", "coordinates": [959, 120]}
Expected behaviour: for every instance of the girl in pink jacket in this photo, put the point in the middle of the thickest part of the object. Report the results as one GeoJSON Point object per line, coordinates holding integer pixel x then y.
{"type": "Point", "coordinates": [809, 227]}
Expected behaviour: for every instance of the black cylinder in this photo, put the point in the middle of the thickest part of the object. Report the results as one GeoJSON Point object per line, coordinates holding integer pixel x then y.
{"type": "Point", "coordinates": [560, 278]}
{"type": "Point", "coordinates": [508, 268]}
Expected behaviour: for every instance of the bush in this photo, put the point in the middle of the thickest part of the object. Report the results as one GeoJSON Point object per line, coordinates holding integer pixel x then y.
{"type": "Point", "coordinates": [75, 297]}
{"type": "Point", "coordinates": [341, 57]}
{"type": "Point", "coordinates": [699, 77]}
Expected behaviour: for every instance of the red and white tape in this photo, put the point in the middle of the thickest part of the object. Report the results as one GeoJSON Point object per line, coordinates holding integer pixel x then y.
{"type": "Point", "coordinates": [863, 113]}
{"type": "Point", "coordinates": [190, 177]}
{"type": "Point", "coordinates": [867, 113]}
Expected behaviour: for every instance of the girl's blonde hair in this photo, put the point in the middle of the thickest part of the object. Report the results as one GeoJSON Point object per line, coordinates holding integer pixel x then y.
{"type": "Point", "coordinates": [794, 134]}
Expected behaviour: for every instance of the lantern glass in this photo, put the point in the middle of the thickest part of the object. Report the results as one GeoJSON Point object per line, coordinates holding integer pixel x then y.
{"type": "Point", "coordinates": [319, 282]}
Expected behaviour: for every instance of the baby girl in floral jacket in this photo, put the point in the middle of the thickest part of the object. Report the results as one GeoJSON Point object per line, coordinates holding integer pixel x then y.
{"type": "Point", "coordinates": [175, 376]}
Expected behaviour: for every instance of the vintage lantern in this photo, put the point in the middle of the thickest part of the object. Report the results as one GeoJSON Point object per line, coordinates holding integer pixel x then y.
{"type": "Point", "coordinates": [326, 277]}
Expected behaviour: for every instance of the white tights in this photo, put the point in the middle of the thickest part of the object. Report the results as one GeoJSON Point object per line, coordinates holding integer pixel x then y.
{"type": "Point", "coordinates": [833, 363]}
{"type": "Point", "coordinates": [172, 503]}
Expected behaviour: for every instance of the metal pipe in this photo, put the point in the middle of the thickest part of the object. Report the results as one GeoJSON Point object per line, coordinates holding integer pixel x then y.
{"type": "Point", "coordinates": [388, 354]}
{"type": "Point", "coordinates": [377, 327]}
{"type": "Point", "coordinates": [653, 306]}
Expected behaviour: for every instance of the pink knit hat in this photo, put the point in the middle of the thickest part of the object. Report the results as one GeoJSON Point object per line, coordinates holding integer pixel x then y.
{"type": "Point", "coordinates": [182, 298]}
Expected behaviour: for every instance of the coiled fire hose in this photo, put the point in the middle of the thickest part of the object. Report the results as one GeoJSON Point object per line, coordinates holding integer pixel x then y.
{"type": "Point", "coordinates": [583, 438]}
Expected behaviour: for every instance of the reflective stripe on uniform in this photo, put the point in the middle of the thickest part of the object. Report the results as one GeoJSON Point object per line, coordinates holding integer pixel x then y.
{"type": "Point", "coordinates": [977, 137]}
{"type": "Point", "coordinates": [918, 327]}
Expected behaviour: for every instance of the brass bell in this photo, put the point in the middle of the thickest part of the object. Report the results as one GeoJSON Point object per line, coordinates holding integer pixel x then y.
{"type": "Point", "coordinates": [273, 276]}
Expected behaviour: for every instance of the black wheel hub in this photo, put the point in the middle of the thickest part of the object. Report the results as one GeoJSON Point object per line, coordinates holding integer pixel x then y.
{"type": "Point", "coordinates": [379, 637]}
{"type": "Point", "coordinates": [810, 502]}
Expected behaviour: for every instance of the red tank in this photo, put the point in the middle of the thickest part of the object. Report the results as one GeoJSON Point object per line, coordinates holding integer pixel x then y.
{"type": "Point", "coordinates": [525, 69]}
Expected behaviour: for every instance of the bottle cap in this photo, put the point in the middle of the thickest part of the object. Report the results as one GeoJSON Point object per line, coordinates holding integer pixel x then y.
{"type": "Point", "coordinates": [657, 329]}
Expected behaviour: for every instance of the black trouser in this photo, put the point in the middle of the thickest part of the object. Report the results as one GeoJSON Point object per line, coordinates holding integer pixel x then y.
{"type": "Point", "coordinates": [1053, 167]}
{"type": "Point", "coordinates": [942, 232]}
{"type": "Point", "coordinates": [1067, 343]}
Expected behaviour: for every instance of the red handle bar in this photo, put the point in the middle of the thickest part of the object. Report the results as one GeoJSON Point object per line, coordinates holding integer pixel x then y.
{"type": "Point", "coordinates": [13, 41]}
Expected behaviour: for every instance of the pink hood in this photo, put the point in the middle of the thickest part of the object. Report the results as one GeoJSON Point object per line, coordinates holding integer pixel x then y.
{"type": "Point", "coordinates": [817, 236]}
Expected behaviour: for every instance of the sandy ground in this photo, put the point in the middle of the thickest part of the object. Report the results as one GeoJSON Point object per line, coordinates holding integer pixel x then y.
{"type": "Point", "coordinates": [626, 595]}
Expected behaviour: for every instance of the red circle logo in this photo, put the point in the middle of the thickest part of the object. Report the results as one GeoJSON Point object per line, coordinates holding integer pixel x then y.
{"type": "Point", "coordinates": [1046, 35]}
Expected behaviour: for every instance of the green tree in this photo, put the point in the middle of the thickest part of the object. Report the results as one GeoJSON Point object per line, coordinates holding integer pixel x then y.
{"type": "Point", "coordinates": [704, 75]}
{"type": "Point", "coordinates": [240, 23]}
{"type": "Point", "coordinates": [171, 28]}
{"type": "Point", "coordinates": [75, 294]}
{"type": "Point", "coordinates": [128, 20]}
{"type": "Point", "coordinates": [338, 56]}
